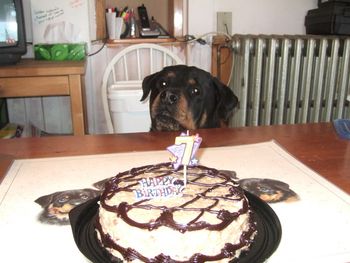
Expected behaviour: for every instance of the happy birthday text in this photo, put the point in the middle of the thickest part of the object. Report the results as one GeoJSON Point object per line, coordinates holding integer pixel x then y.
{"type": "Point", "coordinates": [159, 187]}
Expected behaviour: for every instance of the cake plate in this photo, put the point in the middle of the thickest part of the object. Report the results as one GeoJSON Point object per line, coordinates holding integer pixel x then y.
{"type": "Point", "coordinates": [82, 219]}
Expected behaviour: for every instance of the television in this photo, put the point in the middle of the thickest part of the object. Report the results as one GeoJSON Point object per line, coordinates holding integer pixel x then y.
{"type": "Point", "coordinates": [12, 32]}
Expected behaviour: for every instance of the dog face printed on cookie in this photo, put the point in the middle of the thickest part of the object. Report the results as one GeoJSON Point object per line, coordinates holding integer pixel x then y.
{"type": "Point", "coordinates": [269, 190]}
{"type": "Point", "coordinates": [56, 206]}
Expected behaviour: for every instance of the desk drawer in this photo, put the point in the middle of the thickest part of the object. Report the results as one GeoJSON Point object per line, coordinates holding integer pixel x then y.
{"type": "Point", "coordinates": [34, 86]}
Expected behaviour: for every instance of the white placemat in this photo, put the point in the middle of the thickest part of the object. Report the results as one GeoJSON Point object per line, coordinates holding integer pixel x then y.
{"type": "Point", "coordinates": [315, 228]}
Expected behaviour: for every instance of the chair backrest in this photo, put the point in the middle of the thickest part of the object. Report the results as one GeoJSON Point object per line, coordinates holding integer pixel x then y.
{"type": "Point", "coordinates": [127, 69]}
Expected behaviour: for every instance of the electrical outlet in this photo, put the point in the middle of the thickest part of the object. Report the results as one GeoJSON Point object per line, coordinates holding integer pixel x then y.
{"type": "Point", "coordinates": [224, 22]}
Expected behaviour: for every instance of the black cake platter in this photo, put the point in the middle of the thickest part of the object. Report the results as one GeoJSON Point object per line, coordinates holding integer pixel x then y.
{"type": "Point", "coordinates": [82, 219]}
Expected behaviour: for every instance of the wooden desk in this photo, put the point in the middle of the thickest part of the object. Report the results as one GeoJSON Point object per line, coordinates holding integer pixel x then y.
{"type": "Point", "coordinates": [31, 78]}
{"type": "Point", "coordinates": [316, 145]}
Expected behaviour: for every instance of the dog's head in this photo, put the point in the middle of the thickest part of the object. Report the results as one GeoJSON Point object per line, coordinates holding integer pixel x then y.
{"type": "Point", "coordinates": [269, 190]}
{"type": "Point", "coordinates": [56, 206]}
{"type": "Point", "coordinates": [187, 98]}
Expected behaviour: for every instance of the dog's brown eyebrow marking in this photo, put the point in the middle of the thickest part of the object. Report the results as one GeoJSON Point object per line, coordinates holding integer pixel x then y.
{"type": "Point", "coordinates": [191, 81]}
{"type": "Point", "coordinates": [171, 74]}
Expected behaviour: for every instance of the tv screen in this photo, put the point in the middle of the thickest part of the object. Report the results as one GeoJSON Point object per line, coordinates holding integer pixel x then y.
{"type": "Point", "coordinates": [12, 31]}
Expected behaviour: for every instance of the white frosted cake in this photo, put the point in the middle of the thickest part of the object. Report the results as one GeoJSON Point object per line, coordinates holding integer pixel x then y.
{"type": "Point", "coordinates": [148, 215]}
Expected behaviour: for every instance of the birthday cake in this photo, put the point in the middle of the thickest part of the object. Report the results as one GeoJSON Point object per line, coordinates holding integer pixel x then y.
{"type": "Point", "coordinates": [152, 214]}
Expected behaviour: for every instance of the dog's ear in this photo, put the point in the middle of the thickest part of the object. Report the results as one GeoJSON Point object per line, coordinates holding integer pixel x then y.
{"type": "Point", "coordinates": [226, 100]}
{"type": "Point", "coordinates": [147, 85]}
{"type": "Point", "coordinates": [100, 185]}
{"type": "Point", "coordinates": [45, 200]}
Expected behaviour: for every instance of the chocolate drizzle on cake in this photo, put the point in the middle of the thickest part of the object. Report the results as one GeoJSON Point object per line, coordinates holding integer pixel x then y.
{"type": "Point", "coordinates": [198, 177]}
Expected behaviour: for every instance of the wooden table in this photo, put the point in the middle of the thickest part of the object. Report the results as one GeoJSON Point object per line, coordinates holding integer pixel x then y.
{"type": "Point", "coordinates": [32, 78]}
{"type": "Point", "coordinates": [316, 145]}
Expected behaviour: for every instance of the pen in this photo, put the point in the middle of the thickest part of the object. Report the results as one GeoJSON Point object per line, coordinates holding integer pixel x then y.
{"type": "Point", "coordinates": [123, 12]}
{"type": "Point", "coordinates": [109, 10]}
{"type": "Point", "coordinates": [125, 9]}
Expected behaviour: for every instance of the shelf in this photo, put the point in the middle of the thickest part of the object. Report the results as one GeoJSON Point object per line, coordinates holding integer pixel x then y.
{"type": "Point", "coordinates": [112, 42]}
{"type": "Point", "coordinates": [171, 14]}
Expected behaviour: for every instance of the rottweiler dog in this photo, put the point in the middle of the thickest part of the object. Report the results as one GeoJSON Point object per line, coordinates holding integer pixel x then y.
{"type": "Point", "coordinates": [56, 206]}
{"type": "Point", "coordinates": [187, 98]}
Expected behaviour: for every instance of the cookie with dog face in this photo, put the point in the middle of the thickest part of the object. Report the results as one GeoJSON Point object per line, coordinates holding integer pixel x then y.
{"type": "Point", "coordinates": [187, 98]}
{"type": "Point", "coordinates": [56, 206]}
{"type": "Point", "coordinates": [269, 190]}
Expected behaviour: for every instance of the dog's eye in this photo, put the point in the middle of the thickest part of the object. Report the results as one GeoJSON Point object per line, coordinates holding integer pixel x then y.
{"type": "Point", "coordinates": [63, 199]}
{"type": "Point", "coordinates": [195, 91]}
{"type": "Point", "coordinates": [163, 84]}
{"type": "Point", "coordinates": [264, 189]}
{"type": "Point", "coordinates": [84, 196]}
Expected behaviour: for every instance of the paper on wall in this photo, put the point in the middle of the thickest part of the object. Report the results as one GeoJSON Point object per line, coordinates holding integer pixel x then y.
{"type": "Point", "coordinates": [60, 21]}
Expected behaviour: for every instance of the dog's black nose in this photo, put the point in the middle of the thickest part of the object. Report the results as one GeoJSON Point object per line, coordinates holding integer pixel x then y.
{"type": "Point", "coordinates": [168, 97]}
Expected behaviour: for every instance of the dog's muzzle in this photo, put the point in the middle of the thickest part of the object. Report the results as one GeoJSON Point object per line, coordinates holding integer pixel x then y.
{"type": "Point", "coordinates": [167, 123]}
{"type": "Point", "coordinates": [164, 115]}
{"type": "Point", "coordinates": [169, 97]}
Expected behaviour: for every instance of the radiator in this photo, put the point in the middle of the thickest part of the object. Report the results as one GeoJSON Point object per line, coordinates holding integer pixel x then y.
{"type": "Point", "coordinates": [290, 79]}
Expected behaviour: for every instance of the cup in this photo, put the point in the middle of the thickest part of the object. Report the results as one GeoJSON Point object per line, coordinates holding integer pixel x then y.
{"type": "Point", "coordinates": [119, 21]}
{"type": "Point", "coordinates": [111, 25]}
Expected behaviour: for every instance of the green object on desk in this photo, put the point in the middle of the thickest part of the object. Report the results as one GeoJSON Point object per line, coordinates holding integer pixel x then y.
{"type": "Point", "coordinates": [60, 52]}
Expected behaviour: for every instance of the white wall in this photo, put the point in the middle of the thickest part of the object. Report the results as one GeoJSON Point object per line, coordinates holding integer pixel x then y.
{"type": "Point", "coordinates": [27, 19]}
{"type": "Point", "coordinates": [250, 16]}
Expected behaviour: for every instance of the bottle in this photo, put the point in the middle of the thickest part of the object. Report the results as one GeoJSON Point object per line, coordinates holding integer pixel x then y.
{"type": "Point", "coordinates": [132, 24]}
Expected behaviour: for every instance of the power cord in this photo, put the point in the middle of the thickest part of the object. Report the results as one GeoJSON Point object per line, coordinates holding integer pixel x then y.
{"type": "Point", "coordinates": [200, 40]}
{"type": "Point", "coordinates": [100, 49]}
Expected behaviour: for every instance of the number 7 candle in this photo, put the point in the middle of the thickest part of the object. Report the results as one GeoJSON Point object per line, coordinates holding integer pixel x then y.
{"type": "Point", "coordinates": [184, 151]}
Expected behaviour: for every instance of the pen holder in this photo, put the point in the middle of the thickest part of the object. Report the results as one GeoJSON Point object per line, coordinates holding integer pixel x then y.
{"type": "Point", "coordinates": [114, 25]}
{"type": "Point", "coordinates": [119, 21]}
{"type": "Point", "coordinates": [110, 19]}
